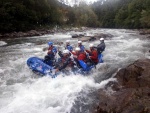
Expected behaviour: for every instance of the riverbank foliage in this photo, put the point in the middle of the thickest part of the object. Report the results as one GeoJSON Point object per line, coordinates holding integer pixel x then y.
{"type": "Point", "coordinates": [24, 15]}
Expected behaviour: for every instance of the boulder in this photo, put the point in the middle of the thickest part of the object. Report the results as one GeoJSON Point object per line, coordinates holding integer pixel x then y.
{"type": "Point", "coordinates": [124, 101]}
{"type": "Point", "coordinates": [81, 35]}
{"type": "Point", "coordinates": [135, 75]}
{"type": "Point", "coordinates": [26, 34]}
{"type": "Point", "coordinates": [131, 94]}
{"type": "Point", "coordinates": [92, 39]}
{"type": "Point", "coordinates": [75, 36]}
{"type": "Point", "coordinates": [21, 34]}
{"type": "Point", "coordinates": [85, 39]}
{"type": "Point", "coordinates": [33, 33]}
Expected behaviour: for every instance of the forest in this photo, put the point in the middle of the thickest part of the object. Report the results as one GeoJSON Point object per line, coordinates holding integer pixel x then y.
{"type": "Point", "coordinates": [24, 15]}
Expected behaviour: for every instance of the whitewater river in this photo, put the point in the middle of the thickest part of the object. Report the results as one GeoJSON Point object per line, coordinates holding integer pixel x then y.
{"type": "Point", "coordinates": [21, 91]}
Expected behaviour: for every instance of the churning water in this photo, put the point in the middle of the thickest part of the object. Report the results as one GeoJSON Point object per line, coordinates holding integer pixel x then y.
{"type": "Point", "coordinates": [21, 91]}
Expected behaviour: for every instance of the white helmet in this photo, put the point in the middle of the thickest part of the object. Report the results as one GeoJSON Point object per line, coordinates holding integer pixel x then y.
{"type": "Point", "coordinates": [79, 42]}
{"type": "Point", "coordinates": [66, 51]}
{"type": "Point", "coordinates": [67, 41]}
{"type": "Point", "coordinates": [91, 45]}
{"type": "Point", "coordinates": [77, 49]}
{"type": "Point", "coordinates": [101, 39]}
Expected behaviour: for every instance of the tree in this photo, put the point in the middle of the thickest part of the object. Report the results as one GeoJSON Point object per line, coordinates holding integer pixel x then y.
{"type": "Point", "coordinates": [145, 18]}
{"type": "Point", "coordinates": [23, 15]}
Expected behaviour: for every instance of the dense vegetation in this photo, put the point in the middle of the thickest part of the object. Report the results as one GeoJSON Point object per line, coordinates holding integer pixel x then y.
{"type": "Point", "coordinates": [23, 15]}
{"type": "Point", "coordinates": [123, 13]}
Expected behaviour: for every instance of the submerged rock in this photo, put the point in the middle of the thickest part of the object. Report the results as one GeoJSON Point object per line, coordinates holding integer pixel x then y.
{"type": "Point", "coordinates": [131, 94]}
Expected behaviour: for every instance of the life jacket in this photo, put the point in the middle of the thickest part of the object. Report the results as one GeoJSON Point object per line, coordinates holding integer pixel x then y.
{"type": "Point", "coordinates": [70, 48]}
{"type": "Point", "coordinates": [52, 51]}
{"type": "Point", "coordinates": [81, 48]}
{"type": "Point", "coordinates": [82, 56]}
{"type": "Point", "coordinates": [94, 56]}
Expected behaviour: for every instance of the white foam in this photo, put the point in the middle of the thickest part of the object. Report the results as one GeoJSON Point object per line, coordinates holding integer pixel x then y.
{"type": "Point", "coordinates": [32, 49]}
{"type": "Point", "coordinates": [2, 43]}
{"type": "Point", "coordinates": [58, 36]}
{"type": "Point", "coordinates": [1, 70]}
{"type": "Point", "coordinates": [49, 95]}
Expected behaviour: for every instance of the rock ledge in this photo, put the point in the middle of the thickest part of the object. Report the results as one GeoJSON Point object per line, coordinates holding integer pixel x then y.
{"type": "Point", "coordinates": [131, 92]}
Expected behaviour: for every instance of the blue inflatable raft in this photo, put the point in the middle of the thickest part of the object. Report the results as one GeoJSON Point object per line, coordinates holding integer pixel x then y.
{"type": "Point", "coordinates": [38, 65]}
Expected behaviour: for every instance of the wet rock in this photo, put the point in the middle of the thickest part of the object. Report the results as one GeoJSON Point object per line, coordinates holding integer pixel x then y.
{"type": "Point", "coordinates": [81, 35]}
{"type": "Point", "coordinates": [131, 94]}
{"type": "Point", "coordinates": [26, 34]}
{"type": "Point", "coordinates": [125, 101]}
{"type": "Point", "coordinates": [144, 31]}
{"type": "Point", "coordinates": [6, 35]}
{"type": "Point", "coordinates": [75, 36]}
{"type": "Point", "coordinates": [148, 37]}
{"type": "Point", "coordinates": [92, 39]}
{"type": "Point", "coordinates": [21, 34]}
{"type": "Point", "coordinates": [34, 33]}
{"type": "Point", "coordinates": [102, 35]}
{"type": "Point", "coordinates": [85, 39]}
{"type": "Point", "coordinates": [135, 75]}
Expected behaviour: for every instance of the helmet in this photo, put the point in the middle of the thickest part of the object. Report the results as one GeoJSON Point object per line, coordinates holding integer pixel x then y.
{"type": "Point", "coordinates": [50, 43]}
{"type": "Point", "coordinates": [67, 41]}
{"type": "Point", "coordinates": [66, 51]}
{"type": "Point", "coordinates": [91, 45]}
{"type": "Point", "coordinates": [77, 49]}
{"type": "Point", "coordinates": [101, 39]}
{"type": "Point", "coordinates": [79, 42]}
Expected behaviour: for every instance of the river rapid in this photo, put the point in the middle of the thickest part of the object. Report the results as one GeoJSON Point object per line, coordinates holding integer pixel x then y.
{"type": "Point", "coordinates": [22, 91]}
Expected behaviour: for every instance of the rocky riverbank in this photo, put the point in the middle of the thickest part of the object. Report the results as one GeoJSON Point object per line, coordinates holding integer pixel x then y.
{"type": "Point", "coordinates": [131, 92]}
{"type": "Point", "coordinates": [81, 36]}
{"type": "Point", "coordinates": [63, 30]}
{"type": "Point", "coordinates": [40, 32]}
